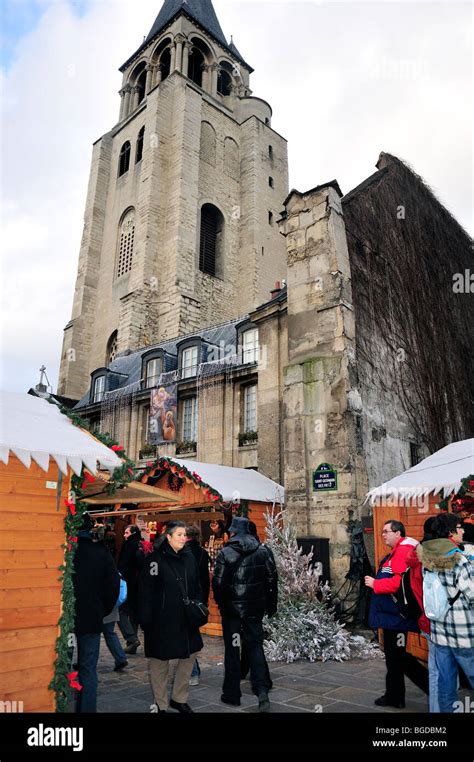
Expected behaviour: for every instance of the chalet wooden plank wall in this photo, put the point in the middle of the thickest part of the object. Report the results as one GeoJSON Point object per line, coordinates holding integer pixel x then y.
{"type": "Point", "coordinates": [31, 540]}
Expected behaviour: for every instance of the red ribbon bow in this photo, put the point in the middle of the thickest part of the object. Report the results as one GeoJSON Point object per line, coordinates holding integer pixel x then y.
{"type": "Point", "coordinates": [72, 677]}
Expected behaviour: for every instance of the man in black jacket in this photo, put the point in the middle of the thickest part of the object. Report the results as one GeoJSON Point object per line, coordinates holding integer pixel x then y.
{"type": "Point", "coordinates": [130, 563]}
{"type": "Point", "coordinates": [96, 588]}
{"type": "Point", "coordinates": [245, 586]}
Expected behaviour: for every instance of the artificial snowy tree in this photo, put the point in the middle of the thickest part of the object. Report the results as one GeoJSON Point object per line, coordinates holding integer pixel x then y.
{"type": "Point", "coordinates": [305, 626]}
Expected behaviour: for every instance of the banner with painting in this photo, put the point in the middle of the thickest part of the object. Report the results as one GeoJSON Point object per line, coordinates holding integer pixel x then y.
{"type": "Point", "coordinates": [162, 424]}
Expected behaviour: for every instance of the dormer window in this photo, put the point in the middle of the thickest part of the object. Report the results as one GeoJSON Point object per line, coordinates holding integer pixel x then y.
{"type": "Point", "coordinates": [98, 389]}
{"type": "Point", "coordinates": [189, 362]}
{"type": "Point", "coordinates": [250, 346]}
{"type": "Point", "coordinates": [152, 372]}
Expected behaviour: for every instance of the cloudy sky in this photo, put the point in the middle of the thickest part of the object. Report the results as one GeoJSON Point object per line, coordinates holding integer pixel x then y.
{"type": "Point", "coordinates": [346, 80]}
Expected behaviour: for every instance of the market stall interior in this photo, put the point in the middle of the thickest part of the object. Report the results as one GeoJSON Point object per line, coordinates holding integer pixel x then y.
{"type": "Point", "coordinates": [202, 494]}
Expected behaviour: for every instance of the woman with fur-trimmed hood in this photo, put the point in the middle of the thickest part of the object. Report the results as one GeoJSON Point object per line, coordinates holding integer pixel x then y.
{"type": "Point", "coordinates": [452, 636]}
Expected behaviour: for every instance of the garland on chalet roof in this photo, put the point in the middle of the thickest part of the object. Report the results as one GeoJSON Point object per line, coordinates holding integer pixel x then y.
{"type": "Point", "coordinates": [64, 678]}
{"type": "Point", "coordinates": [163, 465]}
{"type": "Point", "coordinates": [465, 491]}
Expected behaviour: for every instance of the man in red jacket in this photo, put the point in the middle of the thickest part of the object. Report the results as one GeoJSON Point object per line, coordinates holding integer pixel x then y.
{"type": "Point", "coordinates": [384, 613]}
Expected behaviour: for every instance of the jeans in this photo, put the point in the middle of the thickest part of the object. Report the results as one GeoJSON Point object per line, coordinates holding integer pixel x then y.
{"type": "Point", "coordinates": [245, 666]}
{"type": "Point", "coordinates": [250, 630]}
{"type": "Point", "coordinates": [447, 660]}
{"type": "Point", "coordinates": [88, 647]}
{"type": "Point", "coordinates": [127, 625]}
{"type": "Point", "coordinates": [113, 643]}
{"type": "Point", "coordinates": [196, 669]}
{"type": "Point", "coordinates": [400, 663]}
{"type": "Point", "coordinates": [432, 676]}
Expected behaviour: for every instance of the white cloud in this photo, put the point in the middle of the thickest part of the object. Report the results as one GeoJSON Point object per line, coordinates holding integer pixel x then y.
{"type": "Point", "coordinates": [345, 80]}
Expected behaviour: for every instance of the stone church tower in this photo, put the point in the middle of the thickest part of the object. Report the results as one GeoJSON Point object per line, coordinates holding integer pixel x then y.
{"type": "Point", "coordinates": [184, 193]}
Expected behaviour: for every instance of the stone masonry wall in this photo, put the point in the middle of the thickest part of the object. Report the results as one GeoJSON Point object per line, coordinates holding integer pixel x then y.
{"type": "Point", "coordinates": [321, 400]}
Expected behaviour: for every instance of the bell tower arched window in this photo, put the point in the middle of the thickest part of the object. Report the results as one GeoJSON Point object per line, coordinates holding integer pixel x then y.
{"type": "Point", "coordinates": [140, 139]}
{"type": "Point", "coordinates": [124, 162]}
{"type": "Point", "coordinates": [165, 63]}
{"type": "Point", "coordinates": [111, 353]}
{"type": "Point", "coordinates": [224, 83]}
{"type": "Point", "coordinates": [141, 85]}
{"type": "Point", "coordinates": [211, 240]}
{"type": "Point", "coordinates": [195, 66]}
{"type": "Point", "coordinates": [126, 243]}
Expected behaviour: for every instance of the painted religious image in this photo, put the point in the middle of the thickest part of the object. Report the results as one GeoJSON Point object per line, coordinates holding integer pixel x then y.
{"type": "Point", "coordinates": [163, 405]}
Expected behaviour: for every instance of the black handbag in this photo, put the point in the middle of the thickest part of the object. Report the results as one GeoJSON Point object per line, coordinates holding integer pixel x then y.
{"type": "Point", "coordinates": [197, 613]}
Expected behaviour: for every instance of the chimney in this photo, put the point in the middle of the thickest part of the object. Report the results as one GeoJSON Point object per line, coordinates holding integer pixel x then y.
{"type": "Point", "coordinates": [275, 291]}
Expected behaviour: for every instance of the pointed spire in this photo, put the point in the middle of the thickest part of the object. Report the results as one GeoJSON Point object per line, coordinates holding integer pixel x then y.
{"type": "Point", "coordinates": [201, 11]}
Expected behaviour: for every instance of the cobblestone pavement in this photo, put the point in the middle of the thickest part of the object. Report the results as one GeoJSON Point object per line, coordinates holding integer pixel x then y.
{"type": "Point", "coordinates": [349, 686]}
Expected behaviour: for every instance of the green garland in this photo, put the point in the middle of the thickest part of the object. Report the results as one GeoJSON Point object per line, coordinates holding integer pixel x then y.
{"type": "Point", "coordinates": [166, 464]}
{"type": "Point", "coordinates": [64, 679]}
{"type": "Point", "coordinates": [467, 486]}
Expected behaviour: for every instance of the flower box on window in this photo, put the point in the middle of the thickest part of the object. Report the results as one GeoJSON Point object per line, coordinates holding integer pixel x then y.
{"type": "Point", "coordinates": [147, 451]}
{"type": "Point", "coordinates": [248, 438]}
{"type": "Point", "coordinates": [185, 447]}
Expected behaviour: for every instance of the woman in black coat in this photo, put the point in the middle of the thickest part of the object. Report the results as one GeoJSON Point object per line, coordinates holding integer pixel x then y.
{"type": "Point", "coordinates": [162, 615]}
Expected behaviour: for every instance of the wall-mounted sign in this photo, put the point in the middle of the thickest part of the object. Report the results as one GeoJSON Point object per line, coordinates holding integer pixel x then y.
{"type": "Point", "coordinates": [324, 478]}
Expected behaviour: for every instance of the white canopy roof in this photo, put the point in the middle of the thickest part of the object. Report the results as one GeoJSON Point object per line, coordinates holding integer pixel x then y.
{"type": "Point", "coordinates": [236, 483]}
{"type": "Point", "coordinates": [33, 428]}
{"type": "Point", "coordinates": [438, 473]}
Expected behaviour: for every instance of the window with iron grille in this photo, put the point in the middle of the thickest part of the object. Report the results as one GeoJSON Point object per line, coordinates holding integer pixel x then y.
{"type": "Point", "coordinates": [140, 140]}
{"type": "Point", "coordinates": [153, 372]}
{"type": "Point", "coordinates": [250, 408]}
{"type": "Point", "coordinates": [250, 346]}
{"type": "Point", "coordinates": [124, 162]}
{"type": "Point", "coordinates": [212, 225]}
{"type": "Point", "coordinates": [189, 362]}
{"type": "Point", "coordinates": [127, 236]}
{"type": "Point", "coordinates": [99, 389]}
{"type": "Point", "coordinates": [190, 419]}
{"type": "Point", "coordinates": [112, 345]}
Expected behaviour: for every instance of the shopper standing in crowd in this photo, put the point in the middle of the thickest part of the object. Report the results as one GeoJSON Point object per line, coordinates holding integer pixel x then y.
{"type": "Point", "coordinates": [416, 581]}
{"type": "Point", "coordinates": [129, 564]}
{"type": "Point", "coordinates": [245, 586]}
{"type": "Point", "coordinates": [202, 559]}
{"type": "Point", "coordinates": [112, 640]}
{"type": "Point", "coordinates": [216, 541]}
{"type": "Point", "coordinates": [169, 576]}
{"type": "Point", "coordinates": [452, 634]}
{"type": "Point", "coordinates": [96, 588]}
{"type": "Point", "coordinates": [385, 613]}
{"type": "Point", "coordinates": [244, 657]}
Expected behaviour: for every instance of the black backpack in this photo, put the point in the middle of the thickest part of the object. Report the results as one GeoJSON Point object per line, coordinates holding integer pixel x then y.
{"type": "Point", "coordinates": [406, 600]}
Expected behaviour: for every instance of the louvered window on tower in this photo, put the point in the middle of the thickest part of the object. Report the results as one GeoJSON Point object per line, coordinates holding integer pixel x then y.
{"type": "Point", "coordinates": [124, 158]}
{"type": "Point", "coordinates": [127, 236]}
{"type": "Point", "coordinates": [211, 242]}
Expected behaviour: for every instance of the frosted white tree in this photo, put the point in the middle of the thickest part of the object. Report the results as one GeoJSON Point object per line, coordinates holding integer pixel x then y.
{"type": "Point", "coordinates": [304, 626]}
